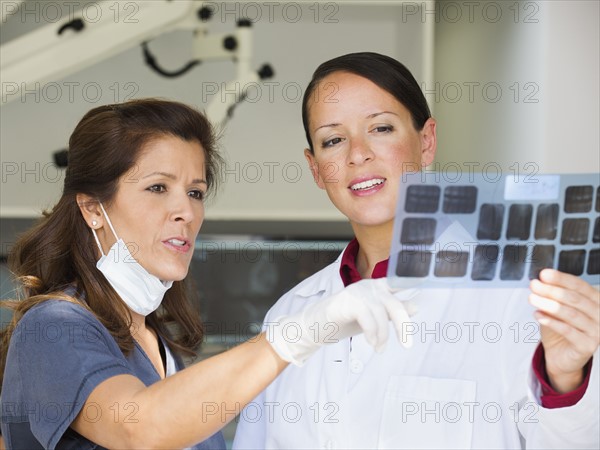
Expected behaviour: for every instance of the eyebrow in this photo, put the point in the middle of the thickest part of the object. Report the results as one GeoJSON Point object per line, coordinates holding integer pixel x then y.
{"type": "Point", "coordinates": [370, 116]}
{"type": "Point", "coordinates": [380, 113]}
{"type": "Point", "coordinates": [173, 177]}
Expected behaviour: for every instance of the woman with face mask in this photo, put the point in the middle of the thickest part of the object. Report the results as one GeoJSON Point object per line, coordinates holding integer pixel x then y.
{"type": "Point", "coordinates": [92, 358]}
{"type": "Point", "coordinates": [471, 379]}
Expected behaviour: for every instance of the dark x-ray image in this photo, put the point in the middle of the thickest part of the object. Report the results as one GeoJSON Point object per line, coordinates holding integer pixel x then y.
{"type": "Point", "coordinates": [471, 230]}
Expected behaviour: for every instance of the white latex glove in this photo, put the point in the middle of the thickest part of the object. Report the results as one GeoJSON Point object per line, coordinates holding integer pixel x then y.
{"type": "Point", "coordinates": [363, 307]}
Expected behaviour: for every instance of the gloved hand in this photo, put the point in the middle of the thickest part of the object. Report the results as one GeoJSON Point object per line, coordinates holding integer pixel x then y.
{"type": "Point", "coordinates": [363, 307]}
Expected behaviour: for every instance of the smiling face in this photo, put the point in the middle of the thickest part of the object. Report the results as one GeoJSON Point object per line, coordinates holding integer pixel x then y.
{"type": "Point", "coordinates": [158, 208]}
{"type": "Point", "coordinates": [363, 139]}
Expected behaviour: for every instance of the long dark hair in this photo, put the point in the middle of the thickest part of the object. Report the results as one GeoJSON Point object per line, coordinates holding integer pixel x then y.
{"type": "Point", "coordinates": [387, 73]}
{"type": "Point", "coordinates": [59, 252]}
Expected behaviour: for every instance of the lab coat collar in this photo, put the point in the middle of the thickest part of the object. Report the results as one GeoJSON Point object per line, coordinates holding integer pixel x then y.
{"type": "Point", "coordinates": [326, 282]}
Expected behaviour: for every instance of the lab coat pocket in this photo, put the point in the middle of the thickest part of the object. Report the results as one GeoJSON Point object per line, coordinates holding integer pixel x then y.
{"type": "Point", "coordinates": [423, 412]}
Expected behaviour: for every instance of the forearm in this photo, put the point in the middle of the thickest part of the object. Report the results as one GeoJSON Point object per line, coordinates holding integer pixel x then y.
{"type": "Point", "coordinates": [182, 409]}
{"type": "Point", "coordinates": [198, 401]}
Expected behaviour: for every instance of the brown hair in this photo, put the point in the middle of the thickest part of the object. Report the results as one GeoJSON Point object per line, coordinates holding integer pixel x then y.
{"type": "Point", "coordinates": [60, 251]}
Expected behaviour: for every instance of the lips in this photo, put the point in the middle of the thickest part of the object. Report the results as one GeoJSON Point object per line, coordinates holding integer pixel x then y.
{"type": "Point", "coordinates": [367, 184]}
{"type": "Point", "coordinates": [179, 244]}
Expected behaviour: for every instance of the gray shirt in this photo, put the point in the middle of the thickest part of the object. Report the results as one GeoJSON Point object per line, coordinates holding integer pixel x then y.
{"type": "Point", "coordinates": [58, 353]}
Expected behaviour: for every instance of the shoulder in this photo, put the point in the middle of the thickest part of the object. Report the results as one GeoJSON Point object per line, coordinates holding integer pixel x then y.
{"type": "Point", "coordinates": [58, 311]}
{"type": "Point", "coordinates": [321, 284]}
{"type": "Point", "coordinates": [59, 319]}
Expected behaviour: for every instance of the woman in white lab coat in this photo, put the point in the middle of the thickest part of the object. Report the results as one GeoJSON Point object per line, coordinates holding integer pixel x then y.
{"type": "Point", "coordinates": [475, 376]}
{"type": "Point", "coordinates": [89, 360]}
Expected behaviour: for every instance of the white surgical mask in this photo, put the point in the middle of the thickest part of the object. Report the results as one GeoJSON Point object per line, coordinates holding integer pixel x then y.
{"type": "Point", "coordinates": [140, 290]}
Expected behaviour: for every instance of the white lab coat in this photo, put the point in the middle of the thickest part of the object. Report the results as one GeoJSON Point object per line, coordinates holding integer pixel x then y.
{"type": "Point", "coordinates": [465, 383]}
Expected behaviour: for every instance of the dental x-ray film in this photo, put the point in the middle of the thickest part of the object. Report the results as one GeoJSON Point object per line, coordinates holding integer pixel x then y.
{"type": "Point", "coordinates": [479, 230]}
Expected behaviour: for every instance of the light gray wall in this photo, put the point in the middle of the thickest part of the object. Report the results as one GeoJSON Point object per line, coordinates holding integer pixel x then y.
{"type": "Point", "coordinates": [572, 77]}
{"type": "Point", "coordinates": [265, 133]}
{"type": "Point", "coordinates": [544, 57]}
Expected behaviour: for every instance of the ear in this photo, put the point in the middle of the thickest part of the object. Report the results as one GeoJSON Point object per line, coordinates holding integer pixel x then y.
{"type": "Point", "coordinates": [428, 142]}
{"type": "Point", "coordinates": [314, 168]}
{"type": "Point", "coordinates": [90, 210]}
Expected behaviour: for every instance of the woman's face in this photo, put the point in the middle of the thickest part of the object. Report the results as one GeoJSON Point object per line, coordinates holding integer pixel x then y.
{"type": "Point", "coordinates": [158, 208]}
{"type": "Point", "coordinates": [363, 140]}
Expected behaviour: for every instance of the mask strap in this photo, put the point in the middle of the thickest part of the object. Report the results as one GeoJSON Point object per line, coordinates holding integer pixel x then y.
{"type": "Point", "coordinates": [98, 242]}
{"type": "Point", "coordinates": [111, 228]}
{"type": "Point", "coordinates": [109, 222]}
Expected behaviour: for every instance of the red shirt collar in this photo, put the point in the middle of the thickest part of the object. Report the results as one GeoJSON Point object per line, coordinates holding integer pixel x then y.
{"type": "Point", "coordinates": [348, 270]}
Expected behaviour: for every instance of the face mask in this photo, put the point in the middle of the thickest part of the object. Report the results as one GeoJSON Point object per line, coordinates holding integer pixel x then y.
{"type": "Point", "coordinates": [140, 290]}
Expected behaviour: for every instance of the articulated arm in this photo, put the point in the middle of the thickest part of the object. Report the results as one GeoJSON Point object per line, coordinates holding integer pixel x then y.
{"type": "Point", "coordinates": [57, 50]}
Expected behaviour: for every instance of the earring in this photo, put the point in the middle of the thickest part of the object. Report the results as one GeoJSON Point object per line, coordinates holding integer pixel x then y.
{"type": "Point", "coordinates": [94, 223]}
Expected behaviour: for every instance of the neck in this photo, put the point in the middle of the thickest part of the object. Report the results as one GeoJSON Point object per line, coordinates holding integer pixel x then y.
{"type": "Point", "coordinates": [138, 324]}
{"type": "Point", "coordinates": [374, 246]}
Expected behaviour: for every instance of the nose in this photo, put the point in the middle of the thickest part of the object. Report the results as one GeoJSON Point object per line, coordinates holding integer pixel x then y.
{"type": "Point", "coordinates": [360, 151]}
{"type": "Point", "coordinates": [183, 210]}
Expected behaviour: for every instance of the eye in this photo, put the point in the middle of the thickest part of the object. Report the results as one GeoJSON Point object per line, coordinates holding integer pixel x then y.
{"type": "Point", "coordinates": [383, 128]}
{"type": "Point", "coordinates": [196, 194]}
{"type": "Point", "coordinates": [331, 142]}
{"type": "Point", "coordinates": [157, 188]}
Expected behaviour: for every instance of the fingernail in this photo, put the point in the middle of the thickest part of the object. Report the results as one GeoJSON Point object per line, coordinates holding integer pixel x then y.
{"type": "Point", "coordinates": [543, 321]}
